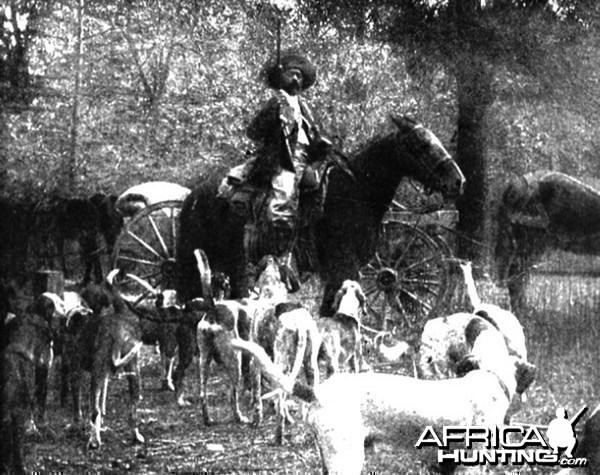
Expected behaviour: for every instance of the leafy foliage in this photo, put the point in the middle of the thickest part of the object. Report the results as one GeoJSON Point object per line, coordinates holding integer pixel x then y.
{"type": "Point", "coordinates": [170, 99]}
{"type": "Point", "coordinates": [168, 87]}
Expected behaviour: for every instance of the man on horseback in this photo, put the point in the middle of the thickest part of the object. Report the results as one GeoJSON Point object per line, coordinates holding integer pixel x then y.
{"type": "Point", "coordinates": [290, 148]}
{"type": "Point", "coordinates": [288, 165]}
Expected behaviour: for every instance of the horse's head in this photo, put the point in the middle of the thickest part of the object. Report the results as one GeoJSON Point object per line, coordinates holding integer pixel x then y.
{"type": "Point", "coordinates": [512, 238]}
{"type": "Point", "coordinates": [433, 165]}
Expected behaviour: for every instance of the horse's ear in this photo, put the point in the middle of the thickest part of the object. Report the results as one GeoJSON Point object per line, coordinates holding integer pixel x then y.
{"type": "Point", "coordinates": [404, 123]}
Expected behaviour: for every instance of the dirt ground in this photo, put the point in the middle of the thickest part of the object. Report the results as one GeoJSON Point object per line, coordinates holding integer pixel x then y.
{"type": "Point", "coordinates": [177, 440]}
{"type": "Point", "coordinates": [562, 338]}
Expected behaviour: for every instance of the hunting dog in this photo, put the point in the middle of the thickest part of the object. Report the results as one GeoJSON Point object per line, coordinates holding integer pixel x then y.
{"type": "Point", "coordinates": [102, 343]}
{"type": "Point", "coordinates": [194, 311]}
{"type": "Point", "coordinates": [341, 345]}
{"type": "Point", "coordinates": [26, 360]}
{"type": "Point", "coordinates": [296, 347]}
{"type": "Point", "coordinates": [348, 409]}
{"type": "Point", "coordinates": [443, 344]}
{"type": "Point", "coordinates": [159, 318]}
{"type": "Point", "coordinates": [251, 318]}
{"type": "Point", "coordinates": [505, 321]}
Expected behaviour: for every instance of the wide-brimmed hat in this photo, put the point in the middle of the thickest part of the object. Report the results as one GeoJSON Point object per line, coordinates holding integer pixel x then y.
{"type": "Point", "coordinates": [290, 59]}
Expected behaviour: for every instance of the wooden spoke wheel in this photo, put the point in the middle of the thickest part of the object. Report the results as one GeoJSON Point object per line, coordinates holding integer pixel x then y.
{"type": "Point", "coordinates": [146, 249]}
{"type": "Point", "coordinates": [407, 281]}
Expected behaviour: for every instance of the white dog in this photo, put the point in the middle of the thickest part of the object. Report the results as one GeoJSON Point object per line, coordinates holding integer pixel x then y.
{"type": "Point", "coordinates": [348, 408]}
{"type": "Point", "coordinates": [443, 344]}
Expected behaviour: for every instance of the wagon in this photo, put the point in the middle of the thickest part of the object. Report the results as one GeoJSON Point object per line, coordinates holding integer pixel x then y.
{"type": "Point", "coordinates": [145, 248]}
{"type": "Point", "coordinates": [406, 282]}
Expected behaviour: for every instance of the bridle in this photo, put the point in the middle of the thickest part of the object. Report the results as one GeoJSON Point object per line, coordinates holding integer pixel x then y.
{"type": "Point", "coordinates": [430, 170]}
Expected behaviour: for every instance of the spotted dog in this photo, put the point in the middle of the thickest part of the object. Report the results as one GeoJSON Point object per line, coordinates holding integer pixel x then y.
{"type": "Point", "coordinates": [102, 343]}
{"type": "Point", "coordinates": [296, 348]}
{"type": "Point", "coordinates": [341, 345]}
{"type": "Point", "coordinates": [349, 409]}
{"type": "Point", "coordinates": [251, 318]}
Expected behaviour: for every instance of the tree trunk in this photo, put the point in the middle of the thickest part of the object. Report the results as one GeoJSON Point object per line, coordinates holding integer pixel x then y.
{"type": "Point", "coordinates": [474, 85]}
{"type": "Point", "coordinates": [74, 149]}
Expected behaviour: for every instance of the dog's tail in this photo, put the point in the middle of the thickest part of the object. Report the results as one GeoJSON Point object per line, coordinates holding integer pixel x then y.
{"type": "Point", "coordinates": [467, 269]}
{"type": "Point", "coordinates": [273, 373]}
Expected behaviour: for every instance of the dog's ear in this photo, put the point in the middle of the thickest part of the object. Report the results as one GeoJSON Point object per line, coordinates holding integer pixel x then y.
{"type": "Point", "coordinates": [285, 307]}
{"type": "Point", "coordinates": [264, 262]}
{"type": "Point", "coordinates": [338, 298]}
{"type": "Point", "coordinates": [525, 374]}
{"type": "Point", "coordinates": [468, 364]}
{"type": "Point", "coordinates": [252, 272]}
{"type": "Point", "coordinates": [74, 321]}
{"type": "Point", "coordinates": [474, 328]}
{"type": "Point", "coordinates": [288, 277]}
{"type": "Point", "coordinates": [44, 307]}
{"type": "Point", "coordinates": [360, 295]}
{"type": "Point", "coordinates": [97, 298]}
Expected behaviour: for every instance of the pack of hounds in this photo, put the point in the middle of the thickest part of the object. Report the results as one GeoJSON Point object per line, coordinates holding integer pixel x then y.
{"type": "Point", "coordinates": [472, 367]}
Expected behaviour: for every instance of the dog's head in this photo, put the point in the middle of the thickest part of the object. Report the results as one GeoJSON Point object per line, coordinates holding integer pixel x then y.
{"type": "Point", "coordinates": [76, 311]}
{"type": "Point", "coordinates": [275, 279]}
{"type": "Point", "coordinates": [167, 299]}
{"type": "Point", "coordinates": [98, 297]}
{"type": "Point", "coordinates": [487, 345]}
{"type": "Point", "coordinates": [490, 352]}
{"type": "Point", "coordinates": [525, 374]}
{"type": "Point", "coordinates": [350, 300]}
{"type": "Point", "coordinates": [51, 308]}
{"type": "Point", "coordinates": [221, 286]}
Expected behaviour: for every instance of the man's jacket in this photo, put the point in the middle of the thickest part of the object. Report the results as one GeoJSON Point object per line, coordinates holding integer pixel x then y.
{"type": "Point", "coordinates": [275, 130]}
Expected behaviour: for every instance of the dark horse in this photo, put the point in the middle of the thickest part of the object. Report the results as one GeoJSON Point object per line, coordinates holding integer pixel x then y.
{"type": "Point", "coordinates": [347, 231]}
{"type": "Point", "coordinates": [345, 234]}
{"type": "Point", "coordinates": [540, 211]}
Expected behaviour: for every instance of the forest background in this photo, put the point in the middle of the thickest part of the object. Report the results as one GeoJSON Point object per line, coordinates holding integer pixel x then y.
{"type": "Point", "coordinates": [104, 95]}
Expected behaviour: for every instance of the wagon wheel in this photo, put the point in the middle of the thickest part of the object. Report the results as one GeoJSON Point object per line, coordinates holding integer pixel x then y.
{"type": "Point", "coordinates": [146, 249]}
{"type": "Point", "coordinates": [407, 281]}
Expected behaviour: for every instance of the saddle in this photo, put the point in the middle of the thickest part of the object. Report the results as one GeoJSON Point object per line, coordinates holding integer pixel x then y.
{"type": "Point", "coordinates": [250, 202]}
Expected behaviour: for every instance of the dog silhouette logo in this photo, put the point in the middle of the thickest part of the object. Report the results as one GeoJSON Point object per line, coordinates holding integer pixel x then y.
{"type": "Point", "coordinates": [561, 432]}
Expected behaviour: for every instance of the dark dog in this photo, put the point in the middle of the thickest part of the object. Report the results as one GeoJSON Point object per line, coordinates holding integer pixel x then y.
{"type": "Point", "coordinates": [159, 318]}
{"type": "Point", "coordinates": [26, 359]}
{"type": "Point", "coordinates": [102, 343]}
{"type": "Point", "coordinates": [266, 293]}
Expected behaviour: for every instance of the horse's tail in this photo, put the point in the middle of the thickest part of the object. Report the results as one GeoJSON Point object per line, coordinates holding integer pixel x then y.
{"type": "Point", "coordinates": [188, 283]}
{"type": "Point", "coordinates": [273, 373]}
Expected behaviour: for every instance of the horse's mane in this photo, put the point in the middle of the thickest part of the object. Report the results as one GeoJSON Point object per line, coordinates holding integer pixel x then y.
{"type": "Point", "coordinates": [366, 149]}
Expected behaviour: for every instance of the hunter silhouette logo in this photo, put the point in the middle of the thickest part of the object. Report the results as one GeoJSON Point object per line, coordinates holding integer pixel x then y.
{"type": "Point", "coordinates": [561, 432]}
